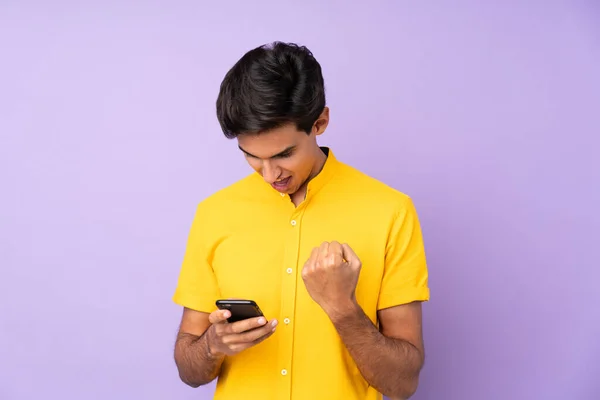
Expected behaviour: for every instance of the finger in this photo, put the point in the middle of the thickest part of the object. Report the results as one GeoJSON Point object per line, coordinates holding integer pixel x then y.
{"type": "Point", "coordinates": [219, 316]}
{"type": "Point", "coordinates": [252, 335]}
{"type": "Point", "coordinates": [238, 347]}
{"type": "Point", "coordinates": [310, 263]}
{"type": "Point", "coordinates": [260, 339]}
{"type": "Point", "coordinates": [314, 255]}
{"type": "Point", "coordinates": [324, 249]}
{"type": "Point", "coordinates": [336, 253]}
{"type": "Point", "coordinates": [336, 247]}
{"type": "Point", "coordinates": [322, 254]}
{"type": "Point", "coordinates": [246, 325]}
{"type": "Point", "coordinates": [349, 254]}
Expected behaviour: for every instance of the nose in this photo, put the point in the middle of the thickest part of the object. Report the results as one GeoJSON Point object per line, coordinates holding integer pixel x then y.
{"type": "Point", "coordinates": [270, 172]}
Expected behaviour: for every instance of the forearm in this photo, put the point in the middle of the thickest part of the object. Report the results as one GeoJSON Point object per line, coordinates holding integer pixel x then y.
{"type": "Point", "coordinates": [391, 366]}
{"type": "Point", "coordinates": [196, 364]}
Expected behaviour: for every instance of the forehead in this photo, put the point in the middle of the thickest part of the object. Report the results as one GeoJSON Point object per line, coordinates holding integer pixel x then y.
{"type": "Point", "coordinates": [268, 144]}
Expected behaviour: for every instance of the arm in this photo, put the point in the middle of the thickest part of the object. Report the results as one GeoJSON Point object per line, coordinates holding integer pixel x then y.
{"type": "Point", "coordinates": [204, 340]}
{"type": "Point", "coordinates": [196, 364]}
{"type": "Point", "coordinates": [390, 360]}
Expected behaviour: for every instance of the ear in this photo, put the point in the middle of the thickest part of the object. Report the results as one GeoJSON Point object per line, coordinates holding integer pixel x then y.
{"type": "Point", "coordinates": [321, 122]}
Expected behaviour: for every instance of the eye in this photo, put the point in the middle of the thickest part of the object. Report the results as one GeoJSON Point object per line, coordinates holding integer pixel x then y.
{"type": "Point", "coordinates": [285, 155]}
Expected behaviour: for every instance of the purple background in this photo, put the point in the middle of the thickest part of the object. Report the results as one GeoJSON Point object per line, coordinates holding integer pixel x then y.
{"type": "Point", "coordinates": [487, 114]}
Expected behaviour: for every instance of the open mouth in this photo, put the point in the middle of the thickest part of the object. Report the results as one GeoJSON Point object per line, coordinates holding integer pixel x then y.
{"type": "Point", "coordinates": [282, 184]}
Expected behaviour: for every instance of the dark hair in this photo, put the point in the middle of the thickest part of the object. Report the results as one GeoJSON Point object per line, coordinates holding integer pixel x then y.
{"type": "Point", "coordinates": [270, 86]}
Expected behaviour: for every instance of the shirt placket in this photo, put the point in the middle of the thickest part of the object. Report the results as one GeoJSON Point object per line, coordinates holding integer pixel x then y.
{"type": "Point", "coordinates": [290, 277]}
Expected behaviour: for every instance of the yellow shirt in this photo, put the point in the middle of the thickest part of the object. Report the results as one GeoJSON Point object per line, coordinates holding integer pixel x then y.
{"type": "Point", "coordinates": [248, 241]}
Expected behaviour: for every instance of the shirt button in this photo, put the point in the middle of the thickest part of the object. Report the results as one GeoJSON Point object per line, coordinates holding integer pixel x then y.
{"type": "Point", "coordinates": [282, 194]}
{"type": "Point", "coordinates": [284, 372]}
{"type": "Point", "coordinates": [289, 270]}
{"type": "Point", "coordinates": [286, 321]}
{"type": "Point", "coordinates": [293, 222]}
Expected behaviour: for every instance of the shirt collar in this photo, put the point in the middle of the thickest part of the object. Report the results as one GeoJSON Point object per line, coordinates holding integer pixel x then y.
{"type": "Point", "coordinates": [324, 176]}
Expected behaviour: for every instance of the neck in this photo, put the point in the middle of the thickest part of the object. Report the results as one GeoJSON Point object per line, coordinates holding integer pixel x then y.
{"type": "Point", "coordinates": [319, 164]}
{"type": "Point", "coordinates": [320, 160]}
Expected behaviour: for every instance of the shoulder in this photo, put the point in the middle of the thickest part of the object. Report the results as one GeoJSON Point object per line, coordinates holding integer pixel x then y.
{"type": "Point", "coordinates": [229, 197]}
{"type": "Point", "coordinates": [370, 191]}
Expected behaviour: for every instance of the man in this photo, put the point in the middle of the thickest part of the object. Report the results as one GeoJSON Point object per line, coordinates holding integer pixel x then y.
{"type": "Point", "coordinates": [334, 258]}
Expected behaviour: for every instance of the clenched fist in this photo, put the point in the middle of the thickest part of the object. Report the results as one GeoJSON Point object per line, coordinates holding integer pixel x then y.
{"type": "Point", "coordinates": [331, 275]}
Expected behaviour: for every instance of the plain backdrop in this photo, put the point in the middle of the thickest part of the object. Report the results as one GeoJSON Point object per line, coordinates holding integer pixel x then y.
{"type": "Point", "coordinates": [485, 112]}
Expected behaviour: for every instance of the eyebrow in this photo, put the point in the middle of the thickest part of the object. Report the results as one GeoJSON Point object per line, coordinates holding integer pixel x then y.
{"type": "Point", "coordinates": [287, 150]}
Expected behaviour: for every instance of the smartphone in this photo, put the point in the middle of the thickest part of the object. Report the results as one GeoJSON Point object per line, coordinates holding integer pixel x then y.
{"type": "Point", "coordinates": [240, 309]}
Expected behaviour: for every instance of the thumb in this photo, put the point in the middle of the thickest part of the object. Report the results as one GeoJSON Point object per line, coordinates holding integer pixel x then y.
{"type": "Point", "coordinates": [219, 316]}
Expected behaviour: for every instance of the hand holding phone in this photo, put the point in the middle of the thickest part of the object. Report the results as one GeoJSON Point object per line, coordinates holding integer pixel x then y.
{"type": "Point", "coordinates": [249, 328]}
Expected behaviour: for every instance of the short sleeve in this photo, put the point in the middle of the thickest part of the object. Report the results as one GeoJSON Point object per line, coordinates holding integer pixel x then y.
{"type": "Point", "coordinates": [197, 286]}
{"type": "Point", "coordinates": [405, 275]}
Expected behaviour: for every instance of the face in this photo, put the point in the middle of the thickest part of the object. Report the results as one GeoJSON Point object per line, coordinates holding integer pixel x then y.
{"type": "Point", "coordinates": [286, 157]}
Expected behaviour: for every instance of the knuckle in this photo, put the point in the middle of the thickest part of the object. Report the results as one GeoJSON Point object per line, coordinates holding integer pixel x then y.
{"type": "Point", "coordinates": [226, 340]}
{"type": "Point", "coordinates": [230, 329]}
{"type": "Point", "coordinates": [223, 334]}
{"type": "Point", "coordinates": [218, 330]}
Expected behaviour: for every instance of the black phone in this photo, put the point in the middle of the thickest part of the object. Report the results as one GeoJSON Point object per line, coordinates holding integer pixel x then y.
{"type": "Point", "coordinates": [240, 309]}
